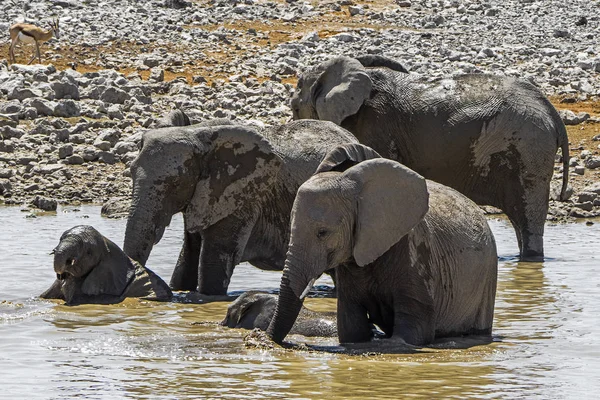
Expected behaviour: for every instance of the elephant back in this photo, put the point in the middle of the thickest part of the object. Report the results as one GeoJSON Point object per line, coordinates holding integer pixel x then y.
{"type": "Point", "coordinates": [303, 144]}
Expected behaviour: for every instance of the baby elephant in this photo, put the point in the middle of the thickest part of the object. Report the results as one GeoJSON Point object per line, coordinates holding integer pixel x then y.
{"type": "Point", "coordinates": [92, 269]}
{"type": "Point", "coordinates": [255, 310]}
{"type": "Point", "coordinates": [413, 257]}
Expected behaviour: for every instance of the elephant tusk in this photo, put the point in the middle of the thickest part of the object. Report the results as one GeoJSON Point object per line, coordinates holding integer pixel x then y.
{"type": "Point", "coordinates": [308, 287]}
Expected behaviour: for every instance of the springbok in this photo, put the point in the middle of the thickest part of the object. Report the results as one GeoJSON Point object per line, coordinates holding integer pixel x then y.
{"type": "Point", "coordinates": [28, 33]}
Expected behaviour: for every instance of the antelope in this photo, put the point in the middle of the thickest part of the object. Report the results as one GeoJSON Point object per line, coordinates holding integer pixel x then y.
{"type": "Point", "coordinates": [28, 33]}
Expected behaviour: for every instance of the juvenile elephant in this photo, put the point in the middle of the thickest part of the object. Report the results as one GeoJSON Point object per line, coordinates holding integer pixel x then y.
{"type": "Point", "coordinates": [92, 269]}
{"type": "Point", "coordinates": [235, 187]}
{"type": "Point", "coordinates": [492, 138]}
{"type": "Point", "coordinates": [255, 309]}
{"type": "Point", "coordinates": [414, 257]}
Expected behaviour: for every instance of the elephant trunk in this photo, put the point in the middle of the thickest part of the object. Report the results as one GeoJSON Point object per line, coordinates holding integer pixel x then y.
{"type": "Point", "coordinates": [289, 303]}
{"type": "Point", "coordinates": [141, 231]}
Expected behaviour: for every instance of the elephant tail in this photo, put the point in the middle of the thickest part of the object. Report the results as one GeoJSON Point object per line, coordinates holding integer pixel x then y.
{"type": "Point", "coordinates": [564, 145]}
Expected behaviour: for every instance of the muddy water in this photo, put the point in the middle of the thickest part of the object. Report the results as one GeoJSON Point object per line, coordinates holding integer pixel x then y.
{"type": "Point", "coordinates": [545, 336]}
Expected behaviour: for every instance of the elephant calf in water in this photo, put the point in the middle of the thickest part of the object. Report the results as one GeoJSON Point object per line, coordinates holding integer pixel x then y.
{"type": "Point", "coordinates": [92, 269]}
{"type": "Point", "coordinates": [413, 257]}
{"type": "Point", "coordinates": [256, 309]}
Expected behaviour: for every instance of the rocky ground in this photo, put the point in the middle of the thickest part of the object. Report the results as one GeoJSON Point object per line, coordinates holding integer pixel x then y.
{"type": "Point", "coordinates": [69, 128]}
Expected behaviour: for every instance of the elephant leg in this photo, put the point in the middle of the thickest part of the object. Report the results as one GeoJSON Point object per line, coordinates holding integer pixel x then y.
{"type": "Point", "coordinates": [528, 217]}
{"type": "Point", "coordinates": [217, 262]}
{"type": "Point", "coordinates": [352, 322]}
{"type": "Point", "coordinates": [415, 329]}
{"type": "Point", "coordinates": [185, 274]}
{"type": "Point", "coordinates": [223, 246]}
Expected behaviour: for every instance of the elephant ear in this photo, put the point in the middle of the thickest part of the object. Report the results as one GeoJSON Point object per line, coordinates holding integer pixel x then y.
{"type": "Point", "coordinates": [373, 61]}
{"type": "Point", "coordinates": [344, 156]}
{"type": "Point", "coordinates": [392, 199]}
{"type": "Point", "coordinates": [341, 89]}
{"type": "Point", "coordinates": [111, 275]}
{"type": "Point", "coordinates": [241, 168]}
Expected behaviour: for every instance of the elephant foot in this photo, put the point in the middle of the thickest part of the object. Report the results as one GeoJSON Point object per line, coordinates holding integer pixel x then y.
{"type": "Point", "coordinates": [532, 257]}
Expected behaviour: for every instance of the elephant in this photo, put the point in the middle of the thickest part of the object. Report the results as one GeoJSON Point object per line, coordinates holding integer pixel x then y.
{"type": "Point", "coordinates": [174, 118]}
{"type": "Point", "coordinates": [413, 257]}
{"type": "Point", "coordinates": [255, 309]}
{"type": "Point", "coordinates": [235, 187]}
{"type": "Point", "coordinates": [92, 269]}
{"type": "Point", "coordinates": [492, 138]}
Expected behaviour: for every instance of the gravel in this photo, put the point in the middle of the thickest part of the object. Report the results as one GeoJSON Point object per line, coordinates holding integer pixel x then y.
{"type": "Point", "coordinates": [86, 109]}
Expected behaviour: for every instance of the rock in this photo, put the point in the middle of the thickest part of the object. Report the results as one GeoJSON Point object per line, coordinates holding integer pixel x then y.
{"type": "Point", "coordinates": [74, 160]}
{"type": "Point", "coordinates": [579, 213]}
{"type": "Point", "coordinates": [570, 118]}
{"type": "Point", "coordinates": [403, 3]}
{"type": "Point", "coordinates": [561, 33]}
{"type": "Point", "coordinates": [114, 112]}
{"type": "Point", "coordinates": [107, 157]}
{"type": "Point", "coordinates": [65, 90]}
{"type": "Point", "coordinates": [594, 188]}
{"type": "Point", "coordinates": [116, 208]}
{"type": "Point", "coordinates": [42, 106]}
{"type": "Point", "coordinates": [65, 151]}
{"type": "Point", "coordinates": [579, 170]}
{"type": "Point", "coordinates": [581, 21]}
{"type": "Point", "coordinates": [102, 145]}
{"type": "Point", "coordinates": [592, 163]}
{"type": "Point", "coordinates": [6, 173]}
{"type": "Point", "coordinates": [157, 75]}
{"type": "Point", "coordinates": [21, 94]}
{"type": "Point", "coordinates": [67, 108]}
{"type": "Point", "coordinates": [124, 147]}
{"type": "Point", "coordinates": [555, 189]}
{"type": "Point", "coordinates": [114, 95]}
{"type": "Point", "coordinates": [6, 146]}
{"type": "Point", "coordinates": [356, 10]}
{"type": "Point", "coordinates": [8, 132]}
{"type": "Point", "coordinates": [109, 135]}
{"type": "Point", "coordinates": [584, 197]}
{"type": "Point", "coordinates": [587, 206]}
{"type": "Point", "coordinates": [50, 168]}
{"type": "Point", "coordinates": [5, 188]}
{"type": "Point", "coordinates": [44, 203]}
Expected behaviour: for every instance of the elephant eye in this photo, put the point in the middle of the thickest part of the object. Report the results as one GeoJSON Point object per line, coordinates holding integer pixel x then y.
{"type": "Point", "coordinates": [322, 233]}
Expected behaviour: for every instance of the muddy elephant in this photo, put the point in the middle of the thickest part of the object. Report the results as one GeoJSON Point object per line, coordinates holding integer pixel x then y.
{"type": "Point", "coordinates": [92, 269]}
{"type": "Point", "coordinates": [235, 187]}
{"type": "Point", "coordinates": [254, 309]}
{"type": "Point", "coordinates": [413, 257]}
{"type": "Point", "coordinates": [492, 138]}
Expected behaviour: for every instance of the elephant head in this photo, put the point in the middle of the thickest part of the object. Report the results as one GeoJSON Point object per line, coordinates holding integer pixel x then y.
{"type": "Point", "coordinates": [333, 91]}
{"type": "Point", "coordinates": [215, 169]}
{"type": "Point", "coordinates": [337, 88]}
{"type": "Point", "coordinates": [85, 260]}
{"type": "Point", "coordinates": [251, 310]}
{"type": "Point", "coordinates": [350, 212]}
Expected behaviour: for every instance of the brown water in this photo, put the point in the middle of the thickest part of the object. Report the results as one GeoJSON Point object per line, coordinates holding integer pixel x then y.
{"type": "Point", "coordinates": [545, 334]}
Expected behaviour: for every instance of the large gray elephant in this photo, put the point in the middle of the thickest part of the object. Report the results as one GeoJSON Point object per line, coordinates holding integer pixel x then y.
{"type": "Point", "coordinates": [413, 257]}
{"type": "Point", "coordinates": [235, 187]}
{"type": "Point", "coordinates": [92, 269]}
{"type": "Point", "coordinates": [254, 309]}
{"type": "Point", "coordinates": [492, 138]}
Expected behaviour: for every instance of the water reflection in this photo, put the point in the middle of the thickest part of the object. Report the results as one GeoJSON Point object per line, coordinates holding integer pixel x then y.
{"type": "Point", "coordinates": [545, 332]}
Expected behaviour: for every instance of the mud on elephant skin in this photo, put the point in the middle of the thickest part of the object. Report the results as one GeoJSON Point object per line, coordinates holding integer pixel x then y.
{"type": "Point", "coordinates": [92, 269]}
{"type": "Point", "coordinates": [254, 309]}
{"type": "Point", "coordinates": [235, 186]}
{"type": "Point", "coordinates": [413, 257]}
{"type": "Point", "coordinates": [492, 138]}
